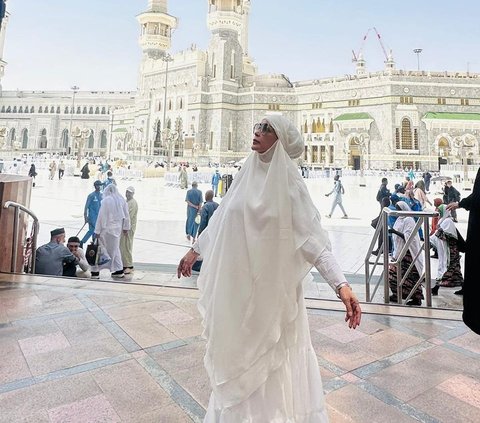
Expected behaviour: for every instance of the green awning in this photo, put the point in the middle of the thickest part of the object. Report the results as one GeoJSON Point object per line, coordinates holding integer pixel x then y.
{"type": "Point", "coordinates": [452, 116]}
{"type": "Point", "coordinates": [353, 116]}
{"type": "Point", "coordinates": [120, 130]}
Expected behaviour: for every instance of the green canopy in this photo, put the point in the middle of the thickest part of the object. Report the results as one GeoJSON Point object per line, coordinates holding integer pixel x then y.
{"type": "Point", "coordinates": [353, 116]}
{"type": "Point", "coordinates": [452, 116]}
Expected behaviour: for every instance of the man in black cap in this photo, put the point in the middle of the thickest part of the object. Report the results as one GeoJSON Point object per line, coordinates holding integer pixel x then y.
{"type": "Point", "coordinates": [51, 257]}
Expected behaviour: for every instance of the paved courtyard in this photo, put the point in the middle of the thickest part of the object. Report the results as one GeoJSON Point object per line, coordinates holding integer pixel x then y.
{"type": "Point", "coordinates": [131, 351]}
{"type": "Point", "coordinates": [97, 351]}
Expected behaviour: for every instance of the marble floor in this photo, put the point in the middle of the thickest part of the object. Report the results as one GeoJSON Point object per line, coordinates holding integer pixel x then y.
{"type": "Point", "coordinates": [77, 350]}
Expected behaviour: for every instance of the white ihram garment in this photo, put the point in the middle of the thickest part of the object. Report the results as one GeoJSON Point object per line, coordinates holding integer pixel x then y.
{"type": "Point", "coordinates": [112, 219]}
{"type": "Point", "coordinates": [259, 356]}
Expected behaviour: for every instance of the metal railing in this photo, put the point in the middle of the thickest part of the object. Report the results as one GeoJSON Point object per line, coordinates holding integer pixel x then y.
{"type": "Point", "coordinates": [35, 229]}
{"type": "Point", "coordinates": [383, 251]}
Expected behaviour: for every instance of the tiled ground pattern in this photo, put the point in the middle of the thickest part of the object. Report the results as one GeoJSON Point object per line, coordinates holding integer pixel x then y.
{"type": "Point", "coordinates": [79, 354]}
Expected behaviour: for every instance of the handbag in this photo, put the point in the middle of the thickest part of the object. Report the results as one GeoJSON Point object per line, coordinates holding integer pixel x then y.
{"type": "Point", "coordinates": [198, 219]}
{"type": "Point", "coordinates": [91, 253]}
{"type": "Point", "coordinates": [96, 255]}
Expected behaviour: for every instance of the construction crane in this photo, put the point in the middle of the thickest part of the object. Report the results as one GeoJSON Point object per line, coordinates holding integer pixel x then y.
{"type": "Point", "coordinates": [379, 38]}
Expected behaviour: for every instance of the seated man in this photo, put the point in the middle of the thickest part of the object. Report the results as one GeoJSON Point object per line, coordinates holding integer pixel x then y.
{"type": "Point", "coordinates": [70, 269]}
{"type": "Point", "coordinates": [52, 256]}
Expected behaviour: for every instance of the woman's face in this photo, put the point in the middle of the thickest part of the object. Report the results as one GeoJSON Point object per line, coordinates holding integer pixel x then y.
{"type": "Point", "coordinates": [264, 137]}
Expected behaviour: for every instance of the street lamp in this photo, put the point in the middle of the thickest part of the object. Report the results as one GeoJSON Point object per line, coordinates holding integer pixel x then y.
{"type": "Point", "coordinates": [417, 51]}
{"type": "Point", "coordinates": [167, 59]}
{"type": "Point", "coordinates": [75, 91]}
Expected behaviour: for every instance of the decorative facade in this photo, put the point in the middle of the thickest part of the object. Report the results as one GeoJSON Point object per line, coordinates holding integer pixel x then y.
{"type": "Point", "coordinates": [200, 105]}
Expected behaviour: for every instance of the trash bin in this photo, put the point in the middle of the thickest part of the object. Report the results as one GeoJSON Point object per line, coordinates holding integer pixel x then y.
{"type": "Point", "coordinates": [226, 182]}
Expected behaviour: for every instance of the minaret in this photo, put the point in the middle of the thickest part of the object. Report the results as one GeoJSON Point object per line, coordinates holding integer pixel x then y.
{"type": "Point", "coordinates": [3, 33]}
{"type": "Point", "coordinates": [390, 63]}
{"type": "Point", "coordinates": [361, 65]}
{"type": "Point", "coordinates": [156, 29]}
{"type": "Point", "coordinates": [226, 20]}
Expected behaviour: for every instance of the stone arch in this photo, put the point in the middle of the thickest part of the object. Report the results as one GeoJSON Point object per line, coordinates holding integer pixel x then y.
{"type": "Point", "coordinates": [443, 146]}
{"type": "Point", "coordinates": [103, 139]}
{"type": "Point", "coordinates": [65, 138]}
{"type": "Point", "coordinates": [43, 140]}
{"type": "Point", "coordinates": [91, 140]}
{"type": "Point", "coordinates": [25, 138]}
{"type": "Point", "coordinates": [12, 136]}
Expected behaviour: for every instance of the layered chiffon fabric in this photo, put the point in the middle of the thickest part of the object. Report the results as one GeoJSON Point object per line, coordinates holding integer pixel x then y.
{"type": "Point", "coordinates": [293, 393]}
{"type": "Point", "coordinates": [259, 246]}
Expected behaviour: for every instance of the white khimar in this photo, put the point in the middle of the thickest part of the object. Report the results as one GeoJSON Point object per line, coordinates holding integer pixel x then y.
{"type": "Point", "coordinates": [259, 246]}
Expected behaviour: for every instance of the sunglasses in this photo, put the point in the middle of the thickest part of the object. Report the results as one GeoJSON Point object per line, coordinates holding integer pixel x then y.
{"type": "Point", "coordinates": [262, 128]}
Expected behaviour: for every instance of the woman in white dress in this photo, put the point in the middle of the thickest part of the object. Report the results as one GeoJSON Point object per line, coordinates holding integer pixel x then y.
{"type": "Point", "coordinates": [259, 246]}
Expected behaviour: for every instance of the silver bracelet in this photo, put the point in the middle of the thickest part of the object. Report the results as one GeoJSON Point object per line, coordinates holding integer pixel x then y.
{"type": "Point", "coordinates": [340, 286]}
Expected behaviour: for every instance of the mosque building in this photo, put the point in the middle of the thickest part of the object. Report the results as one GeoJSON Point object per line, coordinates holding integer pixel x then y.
{"type": "Point", "coordinates": [200, 105]}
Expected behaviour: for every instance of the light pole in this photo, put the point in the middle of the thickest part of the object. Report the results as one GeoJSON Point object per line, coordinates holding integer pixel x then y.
{"type": "Point", "coordinates": [417, 51]}
{"type": "Point", "coordinates": [75, 90]}
{"type": "Point", "coordinates": [167, 59]}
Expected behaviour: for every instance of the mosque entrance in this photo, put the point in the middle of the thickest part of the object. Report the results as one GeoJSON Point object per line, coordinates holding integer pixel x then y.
{"type": "Point", "coordinates": [354, 155]}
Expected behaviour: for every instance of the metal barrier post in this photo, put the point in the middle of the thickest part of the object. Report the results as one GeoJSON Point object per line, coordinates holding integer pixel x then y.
{"type": "Point", "coordinates": [386, 258]}
{"type": "Point", "coordinates": [428, 277]}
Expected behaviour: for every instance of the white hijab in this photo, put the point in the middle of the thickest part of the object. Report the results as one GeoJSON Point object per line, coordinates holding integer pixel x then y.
{"type": "Point", "coordinates": [446, 222]}
{"type": "Point", "coordinates": [253, 265]}
{"type": "Point", "coordinates": [405, 225]}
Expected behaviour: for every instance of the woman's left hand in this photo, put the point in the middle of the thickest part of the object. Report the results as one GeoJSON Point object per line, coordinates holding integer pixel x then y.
{"type": "Point", "coordinates": [354, 312]}
{"type": "Point", "coordinates": [185, 266]}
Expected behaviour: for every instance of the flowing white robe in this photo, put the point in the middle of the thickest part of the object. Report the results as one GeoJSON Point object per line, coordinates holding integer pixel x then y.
{"type": "Point", "coordinates": [112, 219]}
{"type": "Point", "coordinates": [259, 356]}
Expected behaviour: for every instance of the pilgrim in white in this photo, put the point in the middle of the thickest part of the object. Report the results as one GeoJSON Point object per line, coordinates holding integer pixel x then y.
{"type": "Point", "coordinates": [259, 356]}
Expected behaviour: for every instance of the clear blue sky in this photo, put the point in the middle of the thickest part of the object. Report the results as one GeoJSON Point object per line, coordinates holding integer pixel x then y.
{"type": "Point", "coordinates": [52, 44]}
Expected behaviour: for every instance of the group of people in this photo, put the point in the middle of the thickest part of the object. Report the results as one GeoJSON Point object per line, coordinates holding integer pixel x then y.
{"type": "Point", "coordinates": [445, 238]}
{"type": "Point", "coordinates": [52, 169]}
{"type": "Point", "coordinates": [111, 221]}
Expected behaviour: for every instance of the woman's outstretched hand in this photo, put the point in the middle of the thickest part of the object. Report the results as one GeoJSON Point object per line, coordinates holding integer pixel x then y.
{"type": "Point", "coordinates": [185, 266]}
{"type": "Point", "coordinates": [354, 312]}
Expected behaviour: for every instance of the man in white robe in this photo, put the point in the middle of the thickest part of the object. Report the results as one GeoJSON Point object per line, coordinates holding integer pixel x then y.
{"type": "Point", "coordinates": [113, 219]}
{"type": "Point", "coordinates": [259, 356]}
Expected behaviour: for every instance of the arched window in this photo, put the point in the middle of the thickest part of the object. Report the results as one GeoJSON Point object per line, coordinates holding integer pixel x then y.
{"type": "Point", "coordinates": [103, 139]}
{"type": "Point", "coordinates": [158, 135]}
{"type": "Point", "coordinates": [407, 141]}
{"type": "Point", "coordinates": [170, 104]}
{"type": "Point", "coordinates": [14, 109]}
{"type": "Point", "coordinates": [305, 127]}
{"type": "Point", "coordinates": [159, 105]}
{"type": "Point", "coordinates": [180, 103]}
{"type": "Point", "coordinates": [25, 138]}
{"type": "Point", "coordinates": [97, 110]}
{"type": "Point", "coordinates": [65, 138]}
{"type": "Point", "coordinates": [104, 111]}
{"type": "Point", "coordinates": [84, 110]}
{"type": "Point", "coordinates": [12, 135]}
{"type": "Point", "coordinates": [32, 109]}
{"type": "Point", "coordinates": [3, 109]}
{"type": "Point", "coordinates": [79, 110]}
{"type": "Point", "coordinates": [66, 110]}
{"type": "Point", "coordinates": [9, 109]}
{"type": "Point", "coordinates": [58, 110]}
{"type": "Point", "coordinates": [91, 140]}
{"type": "Point", "coordinates": [314, 127]}
{"type": "Point", "coordinates": [45, 110]}
{"type": "Point", "coordinates": [90, 111]}
{"type": "Point", "coordinates": [26, 109]}
{"type": "Point", "coordinates": [40, 109]}
{"type": "Point", "coordinates": [52, 109]}
{"type": "Point", "coordinates": [20, 110]}
{"type": "Point", "coordinates": [43, 142]}
{"type": "Point", "coordinates": [443, 147]}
